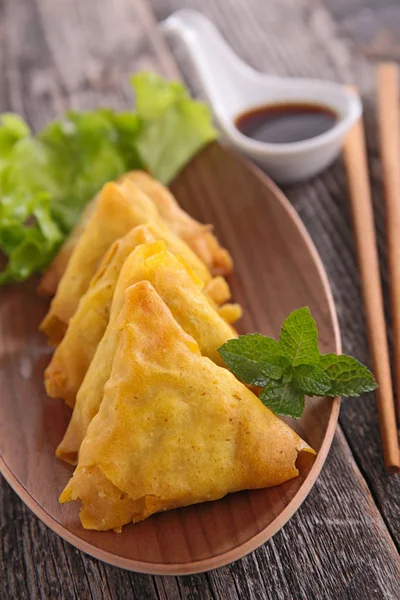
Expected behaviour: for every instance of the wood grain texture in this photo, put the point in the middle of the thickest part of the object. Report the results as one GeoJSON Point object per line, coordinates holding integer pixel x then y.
{"type": "Point", "coordinates": [337, 545]}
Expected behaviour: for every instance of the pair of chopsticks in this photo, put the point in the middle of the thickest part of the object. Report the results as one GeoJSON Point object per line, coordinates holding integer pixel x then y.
{"type": "Point", "coordinates": [355, 158]}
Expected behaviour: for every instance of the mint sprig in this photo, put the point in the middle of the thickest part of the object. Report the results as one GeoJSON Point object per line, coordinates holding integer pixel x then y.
{"type": "Point", "coordinates": [292, 367]}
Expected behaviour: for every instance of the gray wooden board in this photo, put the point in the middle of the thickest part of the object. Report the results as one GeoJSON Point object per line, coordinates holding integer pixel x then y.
{"type": "Point", "coordinates": [72, 53]}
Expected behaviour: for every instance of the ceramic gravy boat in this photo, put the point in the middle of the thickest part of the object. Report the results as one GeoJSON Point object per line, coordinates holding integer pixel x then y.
{"type": "Point", "coordinates": [233, 87]}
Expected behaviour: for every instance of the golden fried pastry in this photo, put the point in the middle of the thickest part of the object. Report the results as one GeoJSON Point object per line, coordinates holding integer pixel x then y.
{"type": "Point", "coordinates": [195, 234]}
{"type": "Point", "coordinates": [218, 289]}
{"type": "Point", "coordinates": [74, 354]}
{"type": "Point", "coordinates": [72, 357]}
{"type": "Point", "coordinates": [173, 428]}
{"type": "Point", "coordinates": [230, 312]}
{"type": "Point", "coordinates": [181, 290]}
{"type": "Point", "coordinates": [119, 208]}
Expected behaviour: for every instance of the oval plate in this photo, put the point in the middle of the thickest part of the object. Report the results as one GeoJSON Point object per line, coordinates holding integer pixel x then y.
{"type": "Point", "coordinates": [277, 269]}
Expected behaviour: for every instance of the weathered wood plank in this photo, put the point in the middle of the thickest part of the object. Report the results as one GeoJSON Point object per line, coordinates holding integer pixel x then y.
{"type": "Point", "coordinates": [75, 55]}
{"type": "Point", "coordinates": [308, 44]}
{"type": "Point", "coordinates": [80, 54]}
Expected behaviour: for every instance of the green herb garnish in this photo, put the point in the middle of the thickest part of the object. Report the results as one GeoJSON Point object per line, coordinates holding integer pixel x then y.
{"type": "Point", "coordinates": [292, 367]}
{"type": "Point", "coordinates": [46, 179]}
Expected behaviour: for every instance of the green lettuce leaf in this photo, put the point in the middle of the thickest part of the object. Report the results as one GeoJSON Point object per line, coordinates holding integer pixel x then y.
{"type": "Point", "coordinates": [85, 150]}
{"type": "Point", "coordinates": [27, 246]}
{"type": "Point", "coordinates": [12, 129]}
{"type": "Point", "coordinates": [46, 179]}
{"type": "Point", "coordinates": [173, 126]}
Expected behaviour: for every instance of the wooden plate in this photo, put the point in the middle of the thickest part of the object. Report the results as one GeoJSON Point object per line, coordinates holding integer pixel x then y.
{"type": "Point", "coordinates": [277, 270]}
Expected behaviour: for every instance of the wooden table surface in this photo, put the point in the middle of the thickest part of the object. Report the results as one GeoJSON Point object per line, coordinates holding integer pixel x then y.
{"type": "Point", "coordinates": [343, 542]}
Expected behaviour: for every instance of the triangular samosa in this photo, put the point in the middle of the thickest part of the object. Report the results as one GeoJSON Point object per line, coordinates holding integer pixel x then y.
{"type": "Point", "coordinates": [74, 354]}
{"type": "Point", "coordinates": [119, 208]}
{"type": "Point", "coordinates": [173, 428]}
{"type": "Point", "coordinates": [197, 235]}
{"type": "Point", "coordinates": [181, 290]}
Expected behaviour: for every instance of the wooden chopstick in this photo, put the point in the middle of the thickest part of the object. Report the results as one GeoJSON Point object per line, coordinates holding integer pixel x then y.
{"type": "Point", "coordinates": [389, 136]}
{"type": "Point", "coordinates": [355, 158]}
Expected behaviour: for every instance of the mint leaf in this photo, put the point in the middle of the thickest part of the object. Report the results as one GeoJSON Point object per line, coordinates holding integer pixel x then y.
{"type": "Point", "coordinates": [293, 367]}
{"type": "Point", "coordinates": [254, 358]}
{"type": "Point", "coordinates": [283, 399]}
{"type": "Point", "coordinates": [288, 374]}
{"type": "Point", "coordinates": [299, 338]}
{"type": "Point", "coordinates": [347, 375]}
{"type": "Point", "coordinates": [312, 380]}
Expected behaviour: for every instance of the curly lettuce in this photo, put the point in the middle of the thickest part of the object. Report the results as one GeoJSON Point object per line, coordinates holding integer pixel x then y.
{"type": "Point", "coordinates": [46, 179]}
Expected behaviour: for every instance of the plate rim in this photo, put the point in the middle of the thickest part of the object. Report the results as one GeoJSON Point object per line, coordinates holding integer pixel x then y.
{"type": "Point", "coordinates": [238, 552]}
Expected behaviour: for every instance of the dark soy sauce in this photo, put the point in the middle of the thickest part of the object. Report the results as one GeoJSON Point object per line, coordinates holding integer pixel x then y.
{"type": "Point", "coordinates": [286, 123]}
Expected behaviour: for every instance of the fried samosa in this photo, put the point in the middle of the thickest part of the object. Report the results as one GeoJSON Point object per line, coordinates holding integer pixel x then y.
{"type": "Point", "coordinates": [74, 354]}
{"type": "Point", "coordinates": [119, 208]}
{"type": "Point", "coordinates": [173, 428]}
{"type": "Point", "coordinates": [197, 235]}
{"type": "Point", "coordinates": [181, 290]}
{"type": "Point", "coordinates": [72, 357]}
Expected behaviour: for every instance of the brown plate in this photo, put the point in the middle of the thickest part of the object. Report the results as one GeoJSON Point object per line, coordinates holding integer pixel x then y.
{"type": "Point", "coordinates": [277, 270]}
